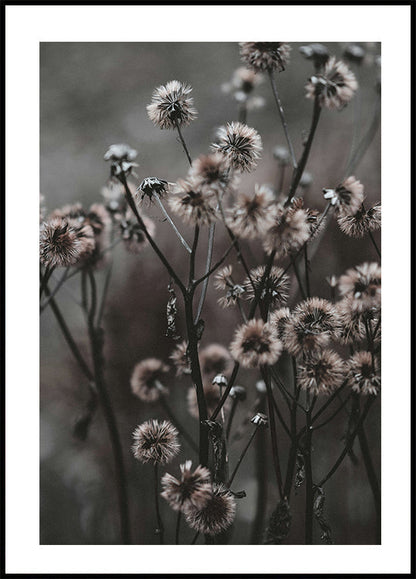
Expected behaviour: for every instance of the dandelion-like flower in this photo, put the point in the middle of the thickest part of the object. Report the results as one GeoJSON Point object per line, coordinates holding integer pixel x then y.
{"type": "Point", "coordinates": [180, 359]}
{"type": "Point", "coordinates": [122, 158]}
{"type": "Point", "coordinates": [224, 281]}
{"type": "Point", "coordinates": [351, 325]}
{"type": "Point", "coordinates": [290, 230]}
{"type": "Point", "coordinates": [364, 375]}
{"type": "Point", "coordinates": [239, 144]}
{"type": "Point", "coordinates": [255, 344]}
{"type": "Point", "coordinates": [334, 87]}
{"type": "Point", "coordinates": [279, 320]}
{"type": "Point", "coordinates": [172, 105]}
{"type": "Point", "coordinates": [146, 380]}
{"type": "Point", "coordinates": [259, 419]}
{"type": "Point", "coordinates": [223, 278]}
{"type": "Point", "coordinates": [192, 489]}
{"type": "Point", "coordinates": [193, 203]}
{"type": "Point", "coordinates": [217, 514]}
{"type": "Point", "coordinates": [265, 55]}
{"type": "Point", "coordinates": [155, 441]}
{"type": "Point", "coordinates": [214, 359]}
{"type": "Point", "coordinates": [151, 185]}
{"type": "Point", "coordinates": [321, 372]}
{"type": "Point", "coordinates": [314, 322]}
{"type": "Point", "coordinates": [212, 173]}
{"type": "Point", "coordinates": [64, 242]}
{"type": "Point", "coordinates": [252, 215]}
{"type": "Point", "coordinates": [313, 217]}
{"type": "Point", "coordinates": [348, 197]}
{"type": "Point", "coordinates": [274, 290]}
{"type": "Point", "coordinates": [362, 222]}
{"type": "Point", "coordinates": [363, 283]}
{"type": "Point", "coordinates": [133, 234]}
{"type": "Point", "coordinates": [242, 85]}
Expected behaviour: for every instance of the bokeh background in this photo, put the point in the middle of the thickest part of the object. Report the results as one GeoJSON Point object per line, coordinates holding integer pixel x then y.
{"type": "Point", "coordinates": [94, 95]}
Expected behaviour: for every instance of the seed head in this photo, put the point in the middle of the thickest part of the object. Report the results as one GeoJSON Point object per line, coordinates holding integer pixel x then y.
{"type": "Point", "coordinates": [334, 87]}
{"type": "Point", "coordinates": [180, 359]}
{"type": "Point", "coordinates": [252, 215]}
{"type": "Point", "coordinates": [362, 222]}
{"type": "Point", "coordinates": [316, 52]}
{"type": "Point", "coordinates": [240, 146]}
{"type": "Point", "coordinates": [214, 359]}
{"type": "Point", "coordinates": [64, 242]}
{"type": "Point", "coordinates": [217, 514]}
{"type": "Point", "coordinates": [363, 283]}
{"type": "Point", "coordinates": [255, 344]}
{"type": "Point", "coordinates": [347, 197]}
{"type": "Point", "coordinates": [155, 441]}
{"type": "Point", "coordinates": [212, 397]}
{"type": "Point", "coordinates": [290, 230]}
{"type": "Point", "coordinates": [212, 173]}
{"type": "Point", "coordinates": [351, 325]}
{"type": "Point", "coordinates": [279, 320]}
{"type": "Point", "coordinates": [122, 158]}
{"type": "Point", "coordinates": [262, 56]}
{"type": "Point", "coordinates": [151, 185]}
{"type": "Point", "coordinates": [171, 105]}
{"type": "Point", "coordinates": [193, 203]}
{"type": "Point", "coordinates": [321, 372]}
{"type": "Point", "coordinates": [364, 375]}
{"type": "Point", "coordinates": [146, 379]}
{"type": "Point", "coordinates": [273, 291]}
{"type": "Point", "coordinates": [354, 53]}
{"type": "Point", "coordinates": [193, 489]}
{"type": "Point", "coordinates": [133, 234]}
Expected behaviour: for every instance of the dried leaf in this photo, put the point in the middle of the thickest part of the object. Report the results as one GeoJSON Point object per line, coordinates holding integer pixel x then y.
{"type": "Point", "coordinates": [279, 524]}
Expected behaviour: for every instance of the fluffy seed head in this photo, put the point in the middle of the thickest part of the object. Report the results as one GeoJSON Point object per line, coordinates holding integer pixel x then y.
{"type": "Point", "coordinates": [252, 215]}
{"type": "Point", "coordinates": [171, 105]}
{"type": "Point", "coordinates": [363, 221]}
{"type": "Point", "coordinates": [240, 145]}
{"type": "Point", "coordinates": [363, 283]}
{"type": "Point", "coordinates": [364, 376]}
{"type": "Point", "coordinates": [274, 290]}
{"type": "Point", "coordinates": [181, 359]}
{"type": "Point", "coordinates": [255, 344]}
{"type": "Point", "coordinates": [192, 489]}
{"type": "Point", "coordinates": [279, 320]}
{"type": "Point", "coordinates": [217, 514]}
{"type": "Point", "coordinates": [351, 325]}
{"type": "Point", "coordinates": [155, 441]}
{"type": "Point", "coordinates": [65, 242]}
{"type": "Point", "coordinates": [212, 173]}
{"type": "Point", "coordinates": [151, 185]}
{"type": "Point", "coordinates": [193, 203]}
{"type": "Point", "coordinates": [120, 152]}
{"type": "Point", "coordinates": [243, 81]}
{"type": "Point", "coordinates": [214, 359]}
{"type": "Point", "coordinates": [289, 231]}
{"type": "Point", "coordinates": [132, 234]}
{"type": "Point", "coordinates": [265, 55]}
{"type": "Point", "coordinates": [223, 279]}
{"type": "Point", "coordinates": [146, 379]}
{"type": "Point", "coordinates": [321, 372]}
{"type": "Point", "coordinates": [313, 217]}
{"type": "Point", "coordinates": [334, 87]}
{"type": "Point", "coordinates": [348, 197]}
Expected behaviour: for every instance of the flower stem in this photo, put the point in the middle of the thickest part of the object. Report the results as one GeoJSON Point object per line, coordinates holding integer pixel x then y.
{"type": "Point", "coordinates": [169, 220]}
{"type": "Point", "coordinates": [211, 236]}
{"type": "Point", "coordinates": [172, 417]}
{"type": "Point", "coordinates": [307, 453]}
{"type": "Point", "coordinates": [178, 526]}
{"type": "Point", "coordinates": [185, 148]}
{"type": "Point", "coordinates": [376, 247]}
{"type": "Point", "coordinates": [242, 455]}
{"type": "Point", "coordinates": [372, 479]}
{"type": "Point", "coordinates": [159, 529]}
{"type": "Point", "coordinates": [282, 118]}
{"type": "Point", "coordinates": [273, 435]}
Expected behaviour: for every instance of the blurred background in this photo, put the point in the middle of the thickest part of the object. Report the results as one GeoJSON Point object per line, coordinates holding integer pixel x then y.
{"type": "Point", "coordinates": [94, 95]}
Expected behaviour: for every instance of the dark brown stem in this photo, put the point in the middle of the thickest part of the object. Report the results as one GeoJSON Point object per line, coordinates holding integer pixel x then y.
{"type": "Point", "coordinates": [372, 479]}
{"type": "Point", "coordinates": [185, 148]}
{"type": "Point", "coordinates": [373, 241]}
{"type": "Point", "coordinates": [178, 526]}
{"type": "Point", "coordinates": [226, 391]}
{"type": "Point", "coordinates": [282, 118]}
{"type": "Point", "coordinates": [307, 453]}
{"type": "Point", "coordinates": [211, 236]}
{"type": "Point", "coordinates": [242, 455]}
{"type": "Point", "coordinates": [308, 287]}
{"type": "Point", "coordinates": [273, 434]}
{"type": "Point", "coordinates": [261, 462]}
{"type": "Point", "coordinates": [294, 440]}
{"type": "Point", "coordinates": [159, 529]}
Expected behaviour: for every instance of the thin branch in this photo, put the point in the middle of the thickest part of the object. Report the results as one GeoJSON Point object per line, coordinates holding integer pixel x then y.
{"type": "Point", "coordinates": [169, 220]}
{"type": "Point", "coordinates": [211, 237]}
{"type": "Point", "coordinates": [282, 118]}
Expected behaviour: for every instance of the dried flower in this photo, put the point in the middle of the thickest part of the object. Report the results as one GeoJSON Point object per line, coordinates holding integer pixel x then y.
{"type": "Point", "coordinates": [151, 185]}
{"type": "Point", "coordinates": [155, 441]}
{"type": "Point", "coordinates": [243, 81]}
{"type": "Point", "coordinates": [334, 87]}
{"type": "Point", "coordinates": [321, 372]}
{"type": "Point", "coordinates": [364, 376]}
{"type": "Point", "coordinates": [313, 217]}
{"type": "Point", "coordinates": [251, 215]}
{"type": "Point", "coordinates": [347, 197]}
{"type": "Point", "coordinates": [273, 290]}
{"type": "Point", "coordinates": [363, 283]}
{"type": "Point", "coordinates": [260, 419]}
{"type": "Point", "coordinates": [223, 278]}
{"type": "Point", "coordinates": [171, 105]}
{"type": "Point", "coordinates": [133, 234]}
{"type": "Point", "coordinates": [114, 197]}
{"type": "Point", "coordinates": [280, 319]}
{"type": "Point", "coordinates": [181, 359]}
{"type": "Point", "coordinates": [64, 242]}
{"type": "Point", "coordinates": [122, 158]}
{"type": "Point", "coordinates": [316, 52]}
{"type": "Point", "coordinates": [212, 173]}
{"type": "Point", "coordinates": [255, 344]}
{"type": "Point", "coordinates": [214, 359]}
{"type": "Point", "coordinates": [193, 489]}
{"type": "Point", "coordinates": [265, 55]}
{"type": "Point", "coordinates": [314, 322]}
{"type": "Point", "coordinates": [363, 221]}
{"type": "Point", "coordinates": [146, 379]}
{"type": "Point", "coordinates": [192, 202]}
{"type": "Point", "coordinates": [239, 144]}
{"type": "Point", "coordinates": [217, 514]}
{"type": "Point", "coordinates": [233, 294]}
{"type": "Point", "coordinates": [290, 230]}
{"type": "Point", "coordinates": [220, 380]}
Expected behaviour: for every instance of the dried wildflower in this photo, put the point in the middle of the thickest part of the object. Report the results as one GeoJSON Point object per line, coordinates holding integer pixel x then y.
{"type": "Point", "coordinates": [223, 278]}
{"type": "Point", "coordinates": [146, 379]}
{"type": "Point", "coordinates": [212, 397]}
{"type": "Point", "coordinates": [274, 290]}
{"type": "Point", "coordinates": [260, 419]}
{"type": "Point", "coordinates": [220, 380]}
{"type": "Point", "coordinates": [364, 375]}
{"type": "Point", "coordinates": [172, 106]}
{"type": "Point", "coordinates": [214, 359]}
{"type": "Point", "coordinates": [239, 144]}
{"type": "Point", "coordinates": [133, 234]}
{"type": "Point", "coordinates": [316, 52]}
{"type": "Point", "coordinates": [99, 219]}
{"type": "Point", "coordinates": [363, 221]}
{"type": "Point", "coordinates": [321, 372]}
{"type": "Point", "coordinates": [363, 283]}
{"type": "Point", "coordinates": [314, 322]}
{"type": "Point", "coordinates": [334, 87]}
{"type": "Point", "coordinates": [313, 217]}
{"type": "Point", "coordinates": [193, 489]}
{"type": "Point", "coordinates": [351, 322]}
{"type": "Point", "coordinates": [355, 53]}
{"type": "Point", "coordinates": [279, 319]}
{"type": "Point", "coordinates": [290, 230]}
{"type": "Point", "coordinates": [255, 344]}
{"type": "Point", "coordinates": [151, 185]}
{"type": "Point", "coordinates": [192, 202]}
{"type": "Point", "coordinates": [238, 393]}
{"type": "Point", "coordinates": [114, 196]}
{"type": "Point", "coordinates": [232, 296]}
{"type": "Point", "coordinates": [243, 81]}
{"type": "Point", "coordinates": [212, 173]}
{"type": "Point", "coordinates": [181, 359]}
{"type": "Point", "coordinates": [265, 55]}
{"type": "Point", "coordinates": [347, 197]}
{"type": "Point", "coordinates": [217, 514]}
{"type": "Point", "coordinates": [64, 242]}
{"type": "Point", "coordinates": [122, 158]}
{"type": "Point", "coordinates": [155, 441]}
{"type": "Point", "coordinates": [251, 215]}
